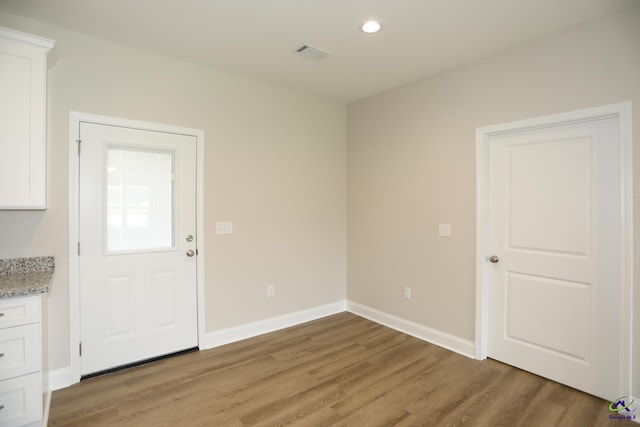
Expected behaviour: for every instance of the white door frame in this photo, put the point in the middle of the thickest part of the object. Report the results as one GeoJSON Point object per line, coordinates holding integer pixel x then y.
{"type": "Point", "coordinates": [75, 118]}
{"type": "Point", "coordinates": [621, 111]}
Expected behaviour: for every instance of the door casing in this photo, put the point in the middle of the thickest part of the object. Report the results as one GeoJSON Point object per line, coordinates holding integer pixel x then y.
{"type": "Point", "coordinates": [622, 112]}
{"type": "Point", "coordinates": [75, 118]}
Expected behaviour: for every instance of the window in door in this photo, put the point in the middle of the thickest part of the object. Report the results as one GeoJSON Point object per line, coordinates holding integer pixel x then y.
{"type": "Point", "coordinates": [139, 206]}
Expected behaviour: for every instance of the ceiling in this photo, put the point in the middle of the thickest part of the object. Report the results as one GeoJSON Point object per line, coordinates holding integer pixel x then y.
{"type": "Point", "coordinates": [258, 38]}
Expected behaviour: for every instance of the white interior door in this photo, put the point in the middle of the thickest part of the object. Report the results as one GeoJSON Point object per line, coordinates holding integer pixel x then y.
{"type": "Point", "coordinates": [138, 294]}
{"type": "Point", "coordinates": [555, 227]}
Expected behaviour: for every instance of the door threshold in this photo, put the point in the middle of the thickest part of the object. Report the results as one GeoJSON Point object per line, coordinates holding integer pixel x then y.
{"type": "Point", "coordinates": [136, 364]}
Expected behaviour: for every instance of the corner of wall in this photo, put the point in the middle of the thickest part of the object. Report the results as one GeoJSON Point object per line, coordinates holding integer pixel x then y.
{"type": "Point", "coordinates": [433, 336]}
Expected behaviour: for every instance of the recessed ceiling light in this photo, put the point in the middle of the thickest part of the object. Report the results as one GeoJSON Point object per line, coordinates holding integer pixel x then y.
{"type": "Point", "coordinates": [371, 27]}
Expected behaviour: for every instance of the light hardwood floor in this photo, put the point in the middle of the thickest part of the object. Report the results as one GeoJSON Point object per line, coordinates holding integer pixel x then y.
{"type": "Point", "coordinates": [342, 370]}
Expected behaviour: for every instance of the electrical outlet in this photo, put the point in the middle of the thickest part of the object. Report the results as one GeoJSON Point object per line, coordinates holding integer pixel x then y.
{"type": "Point", "coordinates": [407, 292]}
{"type": "Point", "coordinates": [444, 230]}
{"type": "Point", "coordinates": [271, 290]}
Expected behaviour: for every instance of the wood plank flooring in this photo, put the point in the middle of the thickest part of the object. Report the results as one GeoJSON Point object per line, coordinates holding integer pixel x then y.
{"type": "Point", "coordinates": [341, 370]}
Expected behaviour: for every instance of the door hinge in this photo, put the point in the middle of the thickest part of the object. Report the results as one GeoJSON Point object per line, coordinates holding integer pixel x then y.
{"type": "Point", "coordinates": [80, 348]}
{"type": "Point", "coordinates": [78, 248]}
{"type": "Point", "coordinates": [79, 142]}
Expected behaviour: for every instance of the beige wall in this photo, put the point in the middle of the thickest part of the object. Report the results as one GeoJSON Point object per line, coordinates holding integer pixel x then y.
{"type": "Point", "coordinates": [275, 166]}
{"type": "Point", "coordinates": [411, 164]}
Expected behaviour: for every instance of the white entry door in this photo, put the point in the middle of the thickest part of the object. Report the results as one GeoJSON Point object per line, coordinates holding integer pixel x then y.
{"type": "Point", "coordinates": [138, 293]}
{"type": "Point", "coordinates": [555, 237]}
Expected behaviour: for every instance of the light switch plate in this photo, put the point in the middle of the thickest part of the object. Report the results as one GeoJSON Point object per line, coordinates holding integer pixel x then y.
{"type": "Point", "coordinates": [224, 228]}
{"type": "Point", "coordinates": [444, 230]}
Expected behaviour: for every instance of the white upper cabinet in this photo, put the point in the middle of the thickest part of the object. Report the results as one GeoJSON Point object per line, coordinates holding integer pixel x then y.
{"type": "Point", "coordinates": [23, 92]}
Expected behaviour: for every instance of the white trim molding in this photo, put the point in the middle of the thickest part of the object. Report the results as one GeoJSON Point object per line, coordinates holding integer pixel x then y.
{"type": "Point", "coordinates": [60, 378]}
{"type": "Point", "coordinates": [636, 409]}
{"type": "Point", "coordinates": [250, 330]}
{"type": "Point", "coordinates": [47, 407]}
{"type": "Point", "coordinates": [621, 111]}
{"type": "Point", "coordinates": [71, 375]}
{"type": "Point", "coordinates": [433, 336]}
{"type": "Point", "coordinates": [65, 377]}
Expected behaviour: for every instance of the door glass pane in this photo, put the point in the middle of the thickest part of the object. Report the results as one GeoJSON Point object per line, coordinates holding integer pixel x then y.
{"type": "Point", "coordinates": [139, 205]}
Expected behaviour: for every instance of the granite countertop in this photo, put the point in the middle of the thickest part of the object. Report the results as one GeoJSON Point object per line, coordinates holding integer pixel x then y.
{"type": "Point", "coordinates": [25, 276]}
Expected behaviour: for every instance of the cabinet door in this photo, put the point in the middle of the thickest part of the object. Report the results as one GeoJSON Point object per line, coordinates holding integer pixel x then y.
{"type": "Point", "coordinates": [22, 120]}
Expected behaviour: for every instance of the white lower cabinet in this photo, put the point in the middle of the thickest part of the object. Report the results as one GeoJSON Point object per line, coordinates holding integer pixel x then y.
{"type": "Point", "coordinates": [21, 401]}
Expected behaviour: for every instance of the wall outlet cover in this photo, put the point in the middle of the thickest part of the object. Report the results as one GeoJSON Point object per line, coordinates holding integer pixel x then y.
{"type": "Point", "coordinates": [444, 230]}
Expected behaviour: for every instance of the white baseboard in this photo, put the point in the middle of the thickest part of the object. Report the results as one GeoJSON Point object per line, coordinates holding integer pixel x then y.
{"type": "Point", "coordinates": [249, 330]}
{"type": "Point", "coordinates": [434, 336]}
{"type": "Point", "coordinates": [61, 378]}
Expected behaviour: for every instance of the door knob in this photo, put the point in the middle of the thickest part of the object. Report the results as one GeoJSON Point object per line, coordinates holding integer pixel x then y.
{"type": "Point", "coordinates": [494, 259]}
{"type": "Point", "coordinates": [190, 252]}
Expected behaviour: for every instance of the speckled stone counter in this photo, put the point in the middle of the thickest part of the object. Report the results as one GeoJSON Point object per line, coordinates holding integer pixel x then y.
{"type": "Point", "coordinates": [25, 276]}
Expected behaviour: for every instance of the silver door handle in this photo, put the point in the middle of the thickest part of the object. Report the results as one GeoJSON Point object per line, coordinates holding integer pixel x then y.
{"type": "Point", "coordinates": [494, 259]}
{"type": "Point", "coordinates": [190, 252]}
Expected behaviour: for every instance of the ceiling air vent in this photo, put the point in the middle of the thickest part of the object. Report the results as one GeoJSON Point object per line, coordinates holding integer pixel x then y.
{"type": "Point", "coordinates": [311, 53]}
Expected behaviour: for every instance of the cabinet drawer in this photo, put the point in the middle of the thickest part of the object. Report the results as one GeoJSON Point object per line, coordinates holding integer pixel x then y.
{"type": "Point", "coordinates": [21, 400]}
{"type": "Point", "coordinates": [20, 351]}
{"type": "Point", "coordinates": [19, 311]}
